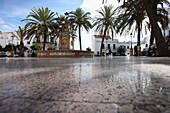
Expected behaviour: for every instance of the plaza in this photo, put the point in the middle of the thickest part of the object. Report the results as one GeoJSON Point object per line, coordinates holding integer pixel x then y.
{"type": "Point", "coordinates": [100, 84]}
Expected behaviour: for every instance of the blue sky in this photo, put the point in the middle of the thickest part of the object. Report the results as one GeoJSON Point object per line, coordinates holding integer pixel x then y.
{"type": "Point", "coordinates": [13, 11]}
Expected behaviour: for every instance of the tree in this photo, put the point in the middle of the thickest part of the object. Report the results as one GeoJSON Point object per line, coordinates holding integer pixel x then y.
{"type": "Point", "coordinates": [131, 13]}
{"type": "Point", "coordinates": [162, 16]}
{"type": "Point", "coordinates": [40, 22]}
{"type": "Point", "coordinates": [151, 9]}
{"type": "Point", "coordinates": [0, 47]}
{"type": "Point", "coordinates": [21, 35]}
{"type": "Point", "coordinates": [121, 50]}
{"type": "Point", "coordinates": [81, 19]}
{"type": "Point", "coordinates": [105, 23]}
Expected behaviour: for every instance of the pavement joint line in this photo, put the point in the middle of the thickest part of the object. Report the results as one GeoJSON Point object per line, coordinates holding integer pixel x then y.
{"type": "Point", "coordinates": [72, 101]}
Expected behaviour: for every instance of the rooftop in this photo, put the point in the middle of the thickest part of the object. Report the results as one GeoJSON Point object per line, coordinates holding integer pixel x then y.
{"type": "Point", "coordinates": [5, 32]}
{"type": "Point", "coordinates": [101, 36]}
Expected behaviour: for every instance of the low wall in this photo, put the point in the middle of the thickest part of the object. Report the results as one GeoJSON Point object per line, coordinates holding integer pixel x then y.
{"type": "Point", "coordinates": [64, 53]}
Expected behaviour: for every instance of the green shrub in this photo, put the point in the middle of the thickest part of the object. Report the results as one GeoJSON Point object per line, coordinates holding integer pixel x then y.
{"type": "Point", "coordinates": [121, 49]}
{"type": "Point", "coordinates": [51, 47]}
{"type": "Point", "coordinates": [88, 49]}
{"type": "Point", "coordinates": [35, 47]}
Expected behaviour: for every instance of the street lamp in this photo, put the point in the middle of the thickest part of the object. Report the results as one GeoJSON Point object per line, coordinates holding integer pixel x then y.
{"type": "Point", "coordinates": [12, 51]}
{"type": "Point", "coordinates": [131, 39]}
{"type": "Point", "coordinates": [131, 49]}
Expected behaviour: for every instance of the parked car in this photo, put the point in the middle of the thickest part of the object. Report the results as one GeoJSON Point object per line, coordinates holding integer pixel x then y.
{"type": "Point", "coordinates": [3, 54]}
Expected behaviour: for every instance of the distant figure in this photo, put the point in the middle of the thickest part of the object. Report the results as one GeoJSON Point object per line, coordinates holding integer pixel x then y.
{"type": "Point", "coordinates": [146, 48]}
{"type": "Point", "coordinates": [107, 52]}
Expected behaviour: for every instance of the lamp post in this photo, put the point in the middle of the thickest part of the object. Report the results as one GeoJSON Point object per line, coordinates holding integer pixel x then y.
{"type": "Point", "coordinates": [12, 50]}
{"type": "Point", "coordinates": [131, 49]}
{"type": "Point", "coordinates": [106, 47]}
{"type": "Point", "coordinates": [60, 40]}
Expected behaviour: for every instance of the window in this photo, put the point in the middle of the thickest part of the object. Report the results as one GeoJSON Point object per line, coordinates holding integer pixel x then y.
{"type": "Point", "coordinates": [108, 46]}
{"type": "Point", "coordinates": [114, 46]}
{"type": "Point", "coordinates": [102, 46]}
{"type": "Point", "coordinates": [28, 42]}
{"type": "Point", "coordinates": [127, 47]}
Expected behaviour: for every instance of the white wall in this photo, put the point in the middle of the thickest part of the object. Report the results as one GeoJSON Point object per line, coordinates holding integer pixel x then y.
{"type": "Point", "coordinates": [5, 39]}
{"type": "Point", "coordinates": [97, 44]}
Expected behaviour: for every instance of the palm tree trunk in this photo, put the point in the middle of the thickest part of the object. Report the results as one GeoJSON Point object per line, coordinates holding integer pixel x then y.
{"type": "Point", "coordinates": [138, 43]}
{"type": "Point", "coordinates": [151, 37]}
{"type": "Point", "coordinates": [161, 46]}
{"type": "Point", "coordinates": [45, 37]}
{"type": "Point", "coordinates": [21, 54]}
{"type": "Point", "coordinates": [80, 37]}
{"type": "Point", "coordinates": [102, 42]}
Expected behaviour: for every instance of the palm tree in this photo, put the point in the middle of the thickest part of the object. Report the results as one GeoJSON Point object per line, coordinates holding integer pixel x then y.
{"type": "Point", "coordinates": [162, 16]}
{"type": "Point", "coordinates": [40, 22]}
{"type": "Point", "coordinates": [151, 9]}
{"type": "Point", "coordinates": [105, 23]}
{"type": "Point", "coordinates": [131, 12]}
{"type": "Point", "coordinates": [81, 19]}
{"type": "Point", "coordinates": [21, 35]}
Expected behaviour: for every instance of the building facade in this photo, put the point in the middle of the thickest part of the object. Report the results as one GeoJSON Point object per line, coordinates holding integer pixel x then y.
{"type": "Point", "coordinates": [7, 37]}
{"type": "Point", "coordinates": [113, 45]}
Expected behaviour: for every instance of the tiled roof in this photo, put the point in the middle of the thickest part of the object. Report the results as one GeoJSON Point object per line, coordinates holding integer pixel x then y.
{"type": "Point", "coordinates": [5, 32]}
{"type": "Point", "coordinates": [100, 36]}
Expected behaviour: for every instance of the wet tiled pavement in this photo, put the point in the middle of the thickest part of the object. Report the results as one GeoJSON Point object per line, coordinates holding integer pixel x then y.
{"type": "Point", "coordinates": [89, 85]}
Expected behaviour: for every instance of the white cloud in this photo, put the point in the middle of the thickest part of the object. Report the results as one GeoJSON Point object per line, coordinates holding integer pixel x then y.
{"type": "Point", "coordinates": [91, 6]}
{"type": "Point", "coordinates": [12, 25]}
{"type": "Point", "coordinates": [1, 21]}
{"type": "Point", "coordinates": [6, 27]}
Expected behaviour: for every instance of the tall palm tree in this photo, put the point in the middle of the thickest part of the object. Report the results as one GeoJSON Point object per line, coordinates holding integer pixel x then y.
{"type": "Point", "coordinates": [39, 23]}
{"type": "Point", "coordinates": [162, 16]}
{"type": "Point", "coordinates": [151, 9]}
{"type": "Point", "coordinates": [132, 13]}
{"type": "Point", "coordinates": [21, 35]}
{"type": "Point", "coordinates": [81, 19]}
{"type": "Point", "coordinates": [105, 22]}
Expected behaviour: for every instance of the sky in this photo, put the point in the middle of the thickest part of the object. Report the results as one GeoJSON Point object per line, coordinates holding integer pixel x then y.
{"type": "Point", "coordinates": [13, 11]}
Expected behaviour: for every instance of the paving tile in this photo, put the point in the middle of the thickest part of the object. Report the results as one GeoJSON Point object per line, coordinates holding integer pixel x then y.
{"type": "Point", "coordinates": [14, 105]}
{"type": "Point", "coordinates": [117, 84]}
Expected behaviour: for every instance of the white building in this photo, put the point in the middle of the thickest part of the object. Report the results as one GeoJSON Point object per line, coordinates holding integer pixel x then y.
{"type": "Point", "coordinates": [108, 44]}
{"type": "Point", "coordinates": [113, 44]}
{"type": "Point", "coordinates": [7, 37]}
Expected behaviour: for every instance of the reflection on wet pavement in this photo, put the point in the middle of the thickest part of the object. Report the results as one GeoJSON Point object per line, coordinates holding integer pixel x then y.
{"type": "Point", "coordinates": [118, 84]}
